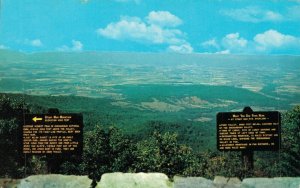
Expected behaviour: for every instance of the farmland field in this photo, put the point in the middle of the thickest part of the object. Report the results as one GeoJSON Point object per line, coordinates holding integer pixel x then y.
{"type": "Point", "coordinates": [139, 92]}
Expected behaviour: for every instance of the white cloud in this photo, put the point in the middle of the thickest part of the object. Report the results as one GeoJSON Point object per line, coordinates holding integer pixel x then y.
{"type": "Point", "coordinates": [253, 14]}
{"type": "Point", "coordinates": [84, 1]}
{"type": "Point", "coordinates": [34, 42]}
{"type": "Point", "coordinates": [273, 39]}
{"type": "Point", "coordinates": [234, 42]}
{"type": "Point", "coordinates": [230, 43]}
{"type": "Point", "coordinates": [76, 47]}
{"type": "Point", "coordinates": [163, 18]}
{"type": "Point", "coordinates": [157, 28]}
{"type": "Point", "coordinates": [133, 28]}
{"type": "Point", "coordinates": [270, 41]}
{"type": "Point", "coordinates": [3, 47]}
{"type": "Point", "coordinates": [223, 52]}
{"type": "Point", "coordinates": [256, 14]}
{"type": "Point", "coordinates": [210, 43]}
{"type": "Point", "coordinates": [184, 48]}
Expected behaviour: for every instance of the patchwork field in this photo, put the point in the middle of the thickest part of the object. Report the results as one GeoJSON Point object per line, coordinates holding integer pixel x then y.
{"type": "Point", "coordinates": [141, 92]}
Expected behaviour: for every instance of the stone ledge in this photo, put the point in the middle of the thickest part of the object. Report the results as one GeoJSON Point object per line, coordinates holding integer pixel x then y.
{"type": "Point", "coordinates": [147, 180]}
{"type": "Point", "coordinates": [279, 182]}
{"type": "Point", "coordinates": [138, 180]}
{"type": "Point", "coordinates": [55, 180]}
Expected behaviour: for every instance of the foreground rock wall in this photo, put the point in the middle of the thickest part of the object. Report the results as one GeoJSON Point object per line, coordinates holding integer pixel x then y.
{"type": "Point", "coordinates": [147, 180]}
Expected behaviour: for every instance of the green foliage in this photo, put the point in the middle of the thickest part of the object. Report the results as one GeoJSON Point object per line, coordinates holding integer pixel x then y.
{"type": "Point", "coordinates": [166, 150]}
{"type": "Point", "coordinates": [105, 152]}
{"type": "Point", "coordinates": [12, 161]}
{"type": "Point", "coordinates": [162, 153]}
{"type": "Point", "coordinates": [286, 162]}
{"type": "Point", "coordinates": [147, 156]}
{"type": "Point", "coordinates": [12, 108]}
{"type": "Point", "coordinates": [227, 164]}
{"type": "Point", "coordinates": [71, 167]}
{"type": "Point", "coordinates": [37, 165]}
{"type": "Point", "coordinates": [8, 148]}
{"type": "Point", "coordinates": [291, 143]}
{"type": "Point", "coordinates": [268, 164]}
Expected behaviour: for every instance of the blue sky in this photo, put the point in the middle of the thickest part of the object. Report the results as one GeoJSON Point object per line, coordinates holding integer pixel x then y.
{"type": "Point", "coordinates": [182, 26]}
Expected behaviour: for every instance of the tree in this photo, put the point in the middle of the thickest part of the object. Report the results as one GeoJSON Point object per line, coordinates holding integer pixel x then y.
{"type": "Point", "coordinates": [287, 161]}
{"type": "Point", "coordinates": [162, 153]}
{"type": "Point", "coordinates": [291, 143]}
{"type": "Point", "coordinates": [105, 152]}
{"type": "Point", "coordinates": [11, 113]}
{"type": "Point", "coordinates": [223, 164]}
{"type": "Point", "coordinates": [9, 148]}
{"type": "Point", "coordinates": [12, 161]}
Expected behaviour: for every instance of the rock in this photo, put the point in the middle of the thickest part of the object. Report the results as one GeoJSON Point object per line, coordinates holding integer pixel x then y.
{"type": "Point", "coordinates": [233, 183]}
{"type": "Point", "coordinates": [9, 183]}
{"type": "Point", "coordinates": [280, 182]}
{"type": "Point", "coordinates": [54, 181]}
{"type": "Point", "coordinates": [192, 182]}
{"type": "Point", "coordinates": [224, 182]}
{"type": "Point", "coordinates": [220, 180]}
{"type": "Point", "coordinates": [137, 180]}
{"type": "Point", "coordinates": [147, 180]}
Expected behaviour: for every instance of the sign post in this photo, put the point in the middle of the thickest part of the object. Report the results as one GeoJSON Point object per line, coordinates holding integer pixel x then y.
{"type": "Point", "coordinates": [247, 155]}
{"type": "Point", "coordinates": [247, 132]}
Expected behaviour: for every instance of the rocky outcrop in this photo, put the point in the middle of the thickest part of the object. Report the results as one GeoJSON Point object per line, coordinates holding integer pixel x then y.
{"type": "Point", "coordinates": [55, 181]}
{"type": "Point", "coordinates": [224, 182]}
{"type": "Point", "coordinates": [147, 180]}
{"type": "Point", "coordinates": [138, 180]}
{"type": "Point", "coordinates": [281, 182]}
{"type": "Point", "coordinates": [192, 182]}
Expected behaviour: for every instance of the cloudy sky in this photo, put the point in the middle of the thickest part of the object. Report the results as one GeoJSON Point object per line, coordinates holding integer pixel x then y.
{"type": "Point", "coordinates": [183, 26]}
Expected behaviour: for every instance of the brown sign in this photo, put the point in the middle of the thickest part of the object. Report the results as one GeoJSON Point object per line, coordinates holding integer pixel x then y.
{"type": "Point", "coordinates": [248, 131]}
{"type": "Point", "coordinates": [52, 134]}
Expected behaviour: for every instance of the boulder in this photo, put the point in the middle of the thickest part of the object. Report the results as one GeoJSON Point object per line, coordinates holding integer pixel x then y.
{"type": "Point", "coordinates": [280, 182]}
{"type": "Point", "coordinates": [220, 180]}
{"type": "Point", "coordinates": [147, 180]}
{"type": "Point", "coordinates": [233, 183]}
{"type": "Point", "coordinates": [225, 182]}
{"type": "Point", "coordinates": [192, 182]}
{"type": "Point", "coordinates": [55, 181]}
{"type": "Point", "coordinates": [134, 180]}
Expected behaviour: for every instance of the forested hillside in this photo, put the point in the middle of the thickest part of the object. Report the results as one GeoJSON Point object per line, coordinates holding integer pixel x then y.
{"type": "Point", "coordinates": [110, 149]}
